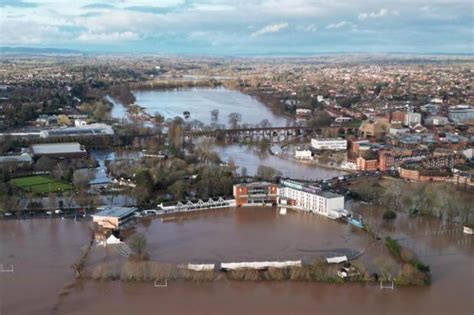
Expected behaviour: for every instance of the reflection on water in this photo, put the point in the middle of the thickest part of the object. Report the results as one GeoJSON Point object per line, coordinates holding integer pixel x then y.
{"type": "Point", "coordinates": [119, 111]}
{"type": "Point", "coordinates": [105, 155]}
{"type": "Point", "coordinates": [251, 158]}
{"type": "Point", "coordinates": [200, 102]}
{"type": "Point", "coordinates": [294, 236]}
{"type": "Point", "coordinates": [42, 251]}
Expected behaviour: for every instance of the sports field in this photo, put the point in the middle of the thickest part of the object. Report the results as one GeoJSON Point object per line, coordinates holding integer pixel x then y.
{"type": "Point", "coordinates": [40, 184]}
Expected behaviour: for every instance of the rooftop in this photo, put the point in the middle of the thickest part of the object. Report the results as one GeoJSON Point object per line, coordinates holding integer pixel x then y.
{"type": "Point", "coordinates": [115, 212]}
{"type": "Point", "coordinates": [57, 148]}
{"type": "Point", "coordinates": [24, 158]}
{"type": "Point", "coordinates": [328, 194]}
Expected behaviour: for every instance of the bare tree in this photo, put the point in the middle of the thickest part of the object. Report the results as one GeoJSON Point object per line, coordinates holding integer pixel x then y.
{"type": "Point", "coordinates": [234, 119]}
{"type": "Point", "coordinates": [265, 123]}
{"type": "Point", "coordinates": [215, 114]}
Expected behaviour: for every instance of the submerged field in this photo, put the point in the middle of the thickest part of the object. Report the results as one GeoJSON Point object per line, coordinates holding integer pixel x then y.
{"type": "Point", "coordinates": [40, 184]}
{"type": "Point", "coordinates": [224, 236]}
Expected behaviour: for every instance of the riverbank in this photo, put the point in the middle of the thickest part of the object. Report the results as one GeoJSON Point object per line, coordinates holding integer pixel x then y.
{"type": "Point", "coordinates": [316, 163]}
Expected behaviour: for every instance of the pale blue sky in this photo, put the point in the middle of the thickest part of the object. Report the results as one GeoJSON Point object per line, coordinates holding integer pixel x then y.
{"type": "Point", "coordinates": [254, 27]}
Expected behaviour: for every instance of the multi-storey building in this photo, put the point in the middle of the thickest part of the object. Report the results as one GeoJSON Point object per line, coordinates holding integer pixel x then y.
{"type": "Point", "coordinates": [309, 198]}
{"type": "Point", "coordinates": [390, 160]}
{"type": "Point", "coordinates": [461, 113]}
{"type": "Point", "coordinates": [259, 193]}
{"type": "Point", "coordinates": [412, 119]}
{"type": "Point", "coordinates": [329, 144]}
{"type": "Point", "coordinates": [366, 164]}
{"type": "Point", "coordinates": [443, 161]}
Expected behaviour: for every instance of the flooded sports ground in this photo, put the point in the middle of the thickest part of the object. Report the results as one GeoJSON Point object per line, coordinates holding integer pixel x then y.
{"type": "Point", "coordinates": [42, 251]}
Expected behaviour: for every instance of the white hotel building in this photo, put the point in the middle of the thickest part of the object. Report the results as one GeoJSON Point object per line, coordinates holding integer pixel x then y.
{"type": "Point", "coordinates": [308, 198]}
{"type": "Point", "coordinates": [329, 144]}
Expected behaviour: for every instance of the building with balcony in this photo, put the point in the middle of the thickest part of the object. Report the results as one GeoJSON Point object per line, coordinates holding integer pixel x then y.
{"type": "Point", "coordinates": [113, 217]}
{"type": "Point", "coordinates": [258, 193]}
{"type": "Point", "coordinates": [309, 198]}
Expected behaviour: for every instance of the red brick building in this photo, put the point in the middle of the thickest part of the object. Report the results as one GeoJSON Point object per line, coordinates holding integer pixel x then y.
{"type": "Point", "coordinates": [366, 164]}
{"type": "Point", "coordinates": [255, 194]}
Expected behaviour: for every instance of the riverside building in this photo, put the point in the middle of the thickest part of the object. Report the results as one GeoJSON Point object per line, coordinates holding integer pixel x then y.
{"type": "Point", "coordinates": [254, 194]}
{"type": "Point", "coordinates": [310, 198]}
{"type": "Point", "coordinates": [329, 144]}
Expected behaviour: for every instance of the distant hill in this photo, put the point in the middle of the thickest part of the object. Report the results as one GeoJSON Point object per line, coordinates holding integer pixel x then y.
{"type": "Point", "coordinates": [38, 51]}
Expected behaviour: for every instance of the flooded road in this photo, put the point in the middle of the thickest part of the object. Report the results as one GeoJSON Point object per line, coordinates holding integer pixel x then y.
{"type": "Point", "coordinates": [43, 250]}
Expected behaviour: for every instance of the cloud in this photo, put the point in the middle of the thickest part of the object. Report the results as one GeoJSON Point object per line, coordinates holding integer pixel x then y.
{"type": "Point", "coordinates": [434, 13]}
{"type": "Point", "coordinates": [212, 7]}
{"type": "Point", "coordinates": [311, 28]}
{"type": "Point", "coordinates": [272, 28]}
{"type": "Point", "coordinates": [179, 25]}
{"type": "Point", "coordinates": [113, 37]}
{"type": "Point", "coordinates": [17, 3]}
{"type": "Point", "coordinates": [337, 25]}
{"type": "Point", "coordinates": [373, 15]}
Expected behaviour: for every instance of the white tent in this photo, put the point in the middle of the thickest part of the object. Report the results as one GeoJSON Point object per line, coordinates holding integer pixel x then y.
{"type": "Point", "coordinates": [112, 240]}
{"type": "Point", "coordinates": [200, 267]}
{"type": "Point", "coordinates": [336, 260]}
{"type": "Point", "coordinates": [261, 264]}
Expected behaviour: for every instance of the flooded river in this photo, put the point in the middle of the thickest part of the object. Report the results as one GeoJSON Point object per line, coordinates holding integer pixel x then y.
{"type": "Point", "coordinates": [42, 251]}
{"type": "Point", "coordinates": [200, 102]}
{"type": "Point", "coordinates": [251, 158]}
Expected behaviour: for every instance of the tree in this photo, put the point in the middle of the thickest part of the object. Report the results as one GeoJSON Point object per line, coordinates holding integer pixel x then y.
{"type": "Point", "coordinates": [178, 189]}
{"type": "Point", "coordinates": [234, 119]}
{"type": "Point", "coordinates": [101, 111]}
{"type": "Point", "coordinates": [389, 215]}
{"type": "Point", "coordinates": [244, 172]}
{"type": "Point", "coordinates": [320, 119]}
{"type": "Point", "coordinates": [267, 173]}
{"type": "Point", "coordinates": [158, 118]}
{"type": "Point", "coordinates": [215, 114]}
{"type": "Point", "coordinates": [138, 244]}
{"type": "Point", "coordinates": [44, 164]}
{"type": "Point", "coordinates": [175, 132]}
{"type": "Point", "coordinates": [265, 123]}
{"type": "Point", "coordinates": [143, 178]}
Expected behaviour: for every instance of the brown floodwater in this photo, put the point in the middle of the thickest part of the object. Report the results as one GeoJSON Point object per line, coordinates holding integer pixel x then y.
{"type": "Point", "coordinates": [43, 250]}
{"type": "Point", "coordinates": [250, 234]}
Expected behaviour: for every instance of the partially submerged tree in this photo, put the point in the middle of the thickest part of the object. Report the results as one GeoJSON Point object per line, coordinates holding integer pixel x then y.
{"type": "Point", "coordinates": [215, 114]}
{"type": "Point", "coordinates": [234, 119]}
{"type": "Point", "coordinates": [138, 245]}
